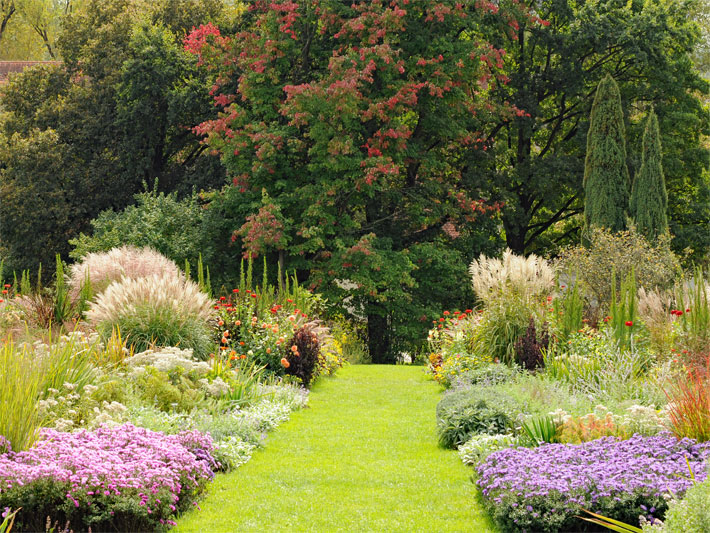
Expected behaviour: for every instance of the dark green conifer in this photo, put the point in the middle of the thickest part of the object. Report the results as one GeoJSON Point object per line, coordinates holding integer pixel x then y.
{"type": "Point", "coordinates": [649, 199]}
{"type": "Point", "coordinates": [606, 177]}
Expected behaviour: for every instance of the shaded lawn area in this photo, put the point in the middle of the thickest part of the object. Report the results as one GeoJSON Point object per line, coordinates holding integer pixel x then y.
{"type": "Point", "coordinates": [363, 457]}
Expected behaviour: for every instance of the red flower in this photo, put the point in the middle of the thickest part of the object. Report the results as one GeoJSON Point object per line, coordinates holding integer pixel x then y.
{"type": "Point", "coordinates": [469, 311]}
{"type": "Point", "coordinates": [446, 313]}
{"type": "Point", "coordinates": [687, 310]}
{"type": "Point", "coordinates": [222, 298]}
{"type": "Point", "coordinates": [629, 323]}
{"type": "Point", "coordinates": [7, 285]}
{"type": "Point", "coordinates": [235, 291]}
{"type": "Point", "coordinates": [253, 295]}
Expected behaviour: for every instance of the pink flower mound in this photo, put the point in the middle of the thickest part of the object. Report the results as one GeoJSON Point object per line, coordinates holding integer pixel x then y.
{"type": "Point", "coordinates": [94, 469]}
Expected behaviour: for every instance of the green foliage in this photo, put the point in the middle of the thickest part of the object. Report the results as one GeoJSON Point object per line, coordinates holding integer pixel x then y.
{"type": "Point", "coordinates": [35, 205]}
{"type": "Point", "coordinates": [464, 413]}
{"type": "Point", "coordinates": [490, 374]}
{"type": "Point", "coordinates": [21, 382]}
{"type": "Point", "coordinates": [606, 176]}
{"type": "Point", "coordinates": [624, 321]}
{"type": "Point", "coordinates": [690, 514]}
{"type": "Point", "coordinates": [502, 325]}
{"type": "Point", "coordinates": [568, 309]}
{"type": "Point", "coordinates": [693, 314]}
{"type": "Point", "coordinates": [157, 220]}
{"type": "Point", "coordinates": [541, 430]}
{"type": "Point", "coordinates": [647, 47]}
{"type": "Point", "coordinates": [148, 326]}
{"type": "Point", "coordinates": [649, 198]}
{"type": "Point", "coordinates": [654, 265]}
{"type": "Point", "coordinates": [116, 112]}
{"type": "Point", "coordinates": [62, 304]}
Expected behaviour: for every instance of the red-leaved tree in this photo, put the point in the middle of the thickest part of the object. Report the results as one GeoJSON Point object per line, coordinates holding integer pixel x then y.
{"type": "Point", "coordinates": [355, 117]}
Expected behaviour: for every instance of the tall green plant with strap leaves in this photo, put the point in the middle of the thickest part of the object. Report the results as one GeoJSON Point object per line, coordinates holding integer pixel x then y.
{"type": "Point", "coordinates": [606, 176]}
{"type": "Point", "coordinates": [649, 198]}
{"type": "Point", "coordinates": [624, 311]}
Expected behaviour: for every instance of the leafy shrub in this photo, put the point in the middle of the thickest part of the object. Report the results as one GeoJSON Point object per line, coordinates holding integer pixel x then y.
{"type": "Point", "coordinates": [102, 268]}
{"type": "Point", "coordinates": [478, 447]}
{"type": "Point", "coordinates": [302, 354]}
{"type": "Point", "coordinates": [158, 221]}
{"type": "Point", "coordinates": [464, 413]}
{"type": "Point", "coordinates": [456, 364]}
{"type": "Point", "coordinates": [546, 488]}
{"type": "Point", "coordinates": [145, 479]}
{"type": "Point", "coordinates": [160, 310]}
{"type": "Point", "coordinates": [529, 348]}
{"type": "Point", "coordinates": [487, 375]}
{"type": "Point", "coordinates": [655, 265]}
{"type": "Point", "coordinates": [691, 514]}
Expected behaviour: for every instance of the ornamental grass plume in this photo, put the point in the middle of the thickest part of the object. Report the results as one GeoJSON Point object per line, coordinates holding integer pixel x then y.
{"type": "Point", "coordinates": [526, 277]}
{"type": "Point", "coordinates": [689, 403]}
{"type": "Point", "coordinates": [103, 268]}
{"type": "Point", "coordinates": [161, 310]}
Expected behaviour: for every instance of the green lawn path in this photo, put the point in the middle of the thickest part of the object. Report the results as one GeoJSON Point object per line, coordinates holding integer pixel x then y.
{"type": "Point", "coordinates": [362, 457]}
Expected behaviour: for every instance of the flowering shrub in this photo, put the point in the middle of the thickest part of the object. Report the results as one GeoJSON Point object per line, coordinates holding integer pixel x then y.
{"type": "Point", "coordinates": [544, 488]}
{"type": "Point", "coordinates": [451, 343]}
{"type": "Point", "coordinates": [121, 479]}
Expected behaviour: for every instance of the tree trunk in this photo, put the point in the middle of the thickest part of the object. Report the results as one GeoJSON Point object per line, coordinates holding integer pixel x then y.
{"type": "Point", "coordinates": [378, 338]}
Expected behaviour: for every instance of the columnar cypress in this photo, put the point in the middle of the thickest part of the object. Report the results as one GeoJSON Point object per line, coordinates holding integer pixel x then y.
{"type": "Point", "coordinates": [606, 177]}
{"type": "Point", "coordinates": [649, 199]}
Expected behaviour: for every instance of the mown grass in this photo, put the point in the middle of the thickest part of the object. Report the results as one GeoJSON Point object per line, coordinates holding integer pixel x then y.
{"type": "Point", "coordinates": [363, 457]}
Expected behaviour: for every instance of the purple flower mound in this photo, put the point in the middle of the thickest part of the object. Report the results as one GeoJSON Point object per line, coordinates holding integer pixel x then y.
{"type": "Point", "coordinates": [542, 489]}
{"type": "Point", "coordinates": [121, 478]}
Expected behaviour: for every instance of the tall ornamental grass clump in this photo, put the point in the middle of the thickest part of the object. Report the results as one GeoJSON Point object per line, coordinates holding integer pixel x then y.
{"type": "Point", "coordinates": [21, 380]}
{"type": "Point", "coordinates": [100, 269]}
{"type": "Point", "coordinates": [693, 314]}
{"type": "Point", "coordinates": [161, 309]}
{"type": "Point", "coordinates": [689, 404]}
{"type": "Point", "coordinates": [512, 290]}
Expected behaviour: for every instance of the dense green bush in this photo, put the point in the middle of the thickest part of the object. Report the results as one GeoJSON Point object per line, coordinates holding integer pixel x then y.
{"type": "Point", "coordinates": [491, 374]}
{"type": "Point", "coordinates": [464, 413]}
{"type": "Point", "coordinates": [157, 220]}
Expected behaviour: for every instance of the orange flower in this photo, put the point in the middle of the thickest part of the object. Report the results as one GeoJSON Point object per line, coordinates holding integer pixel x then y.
{"type": "Point", "coordinates": [268, 350]}
{"type": "Point", "coordinates": [241, 343]}
{"type": "Point", "coordinates": [220, 323]}
{"type": "Point", "coordinates": [294, 348]}
{"type": "Point", "coordinates": [285, 363]}
{"type": "Point", "coordinates": [237, 322]}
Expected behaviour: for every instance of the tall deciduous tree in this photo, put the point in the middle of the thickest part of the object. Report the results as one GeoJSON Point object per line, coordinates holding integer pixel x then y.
{"type": "Point", "coordinates": [649, 198]}
{"type": "Point", "coordinates": [535, 162]}
{"type": "Point", "coordinates": [606, 176]}
{"type": "Point", "coordinates": [355, 118]}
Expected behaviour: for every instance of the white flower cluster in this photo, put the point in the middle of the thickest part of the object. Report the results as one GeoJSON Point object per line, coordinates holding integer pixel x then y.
{"type": "Point", "coordinates": [167, 359]}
